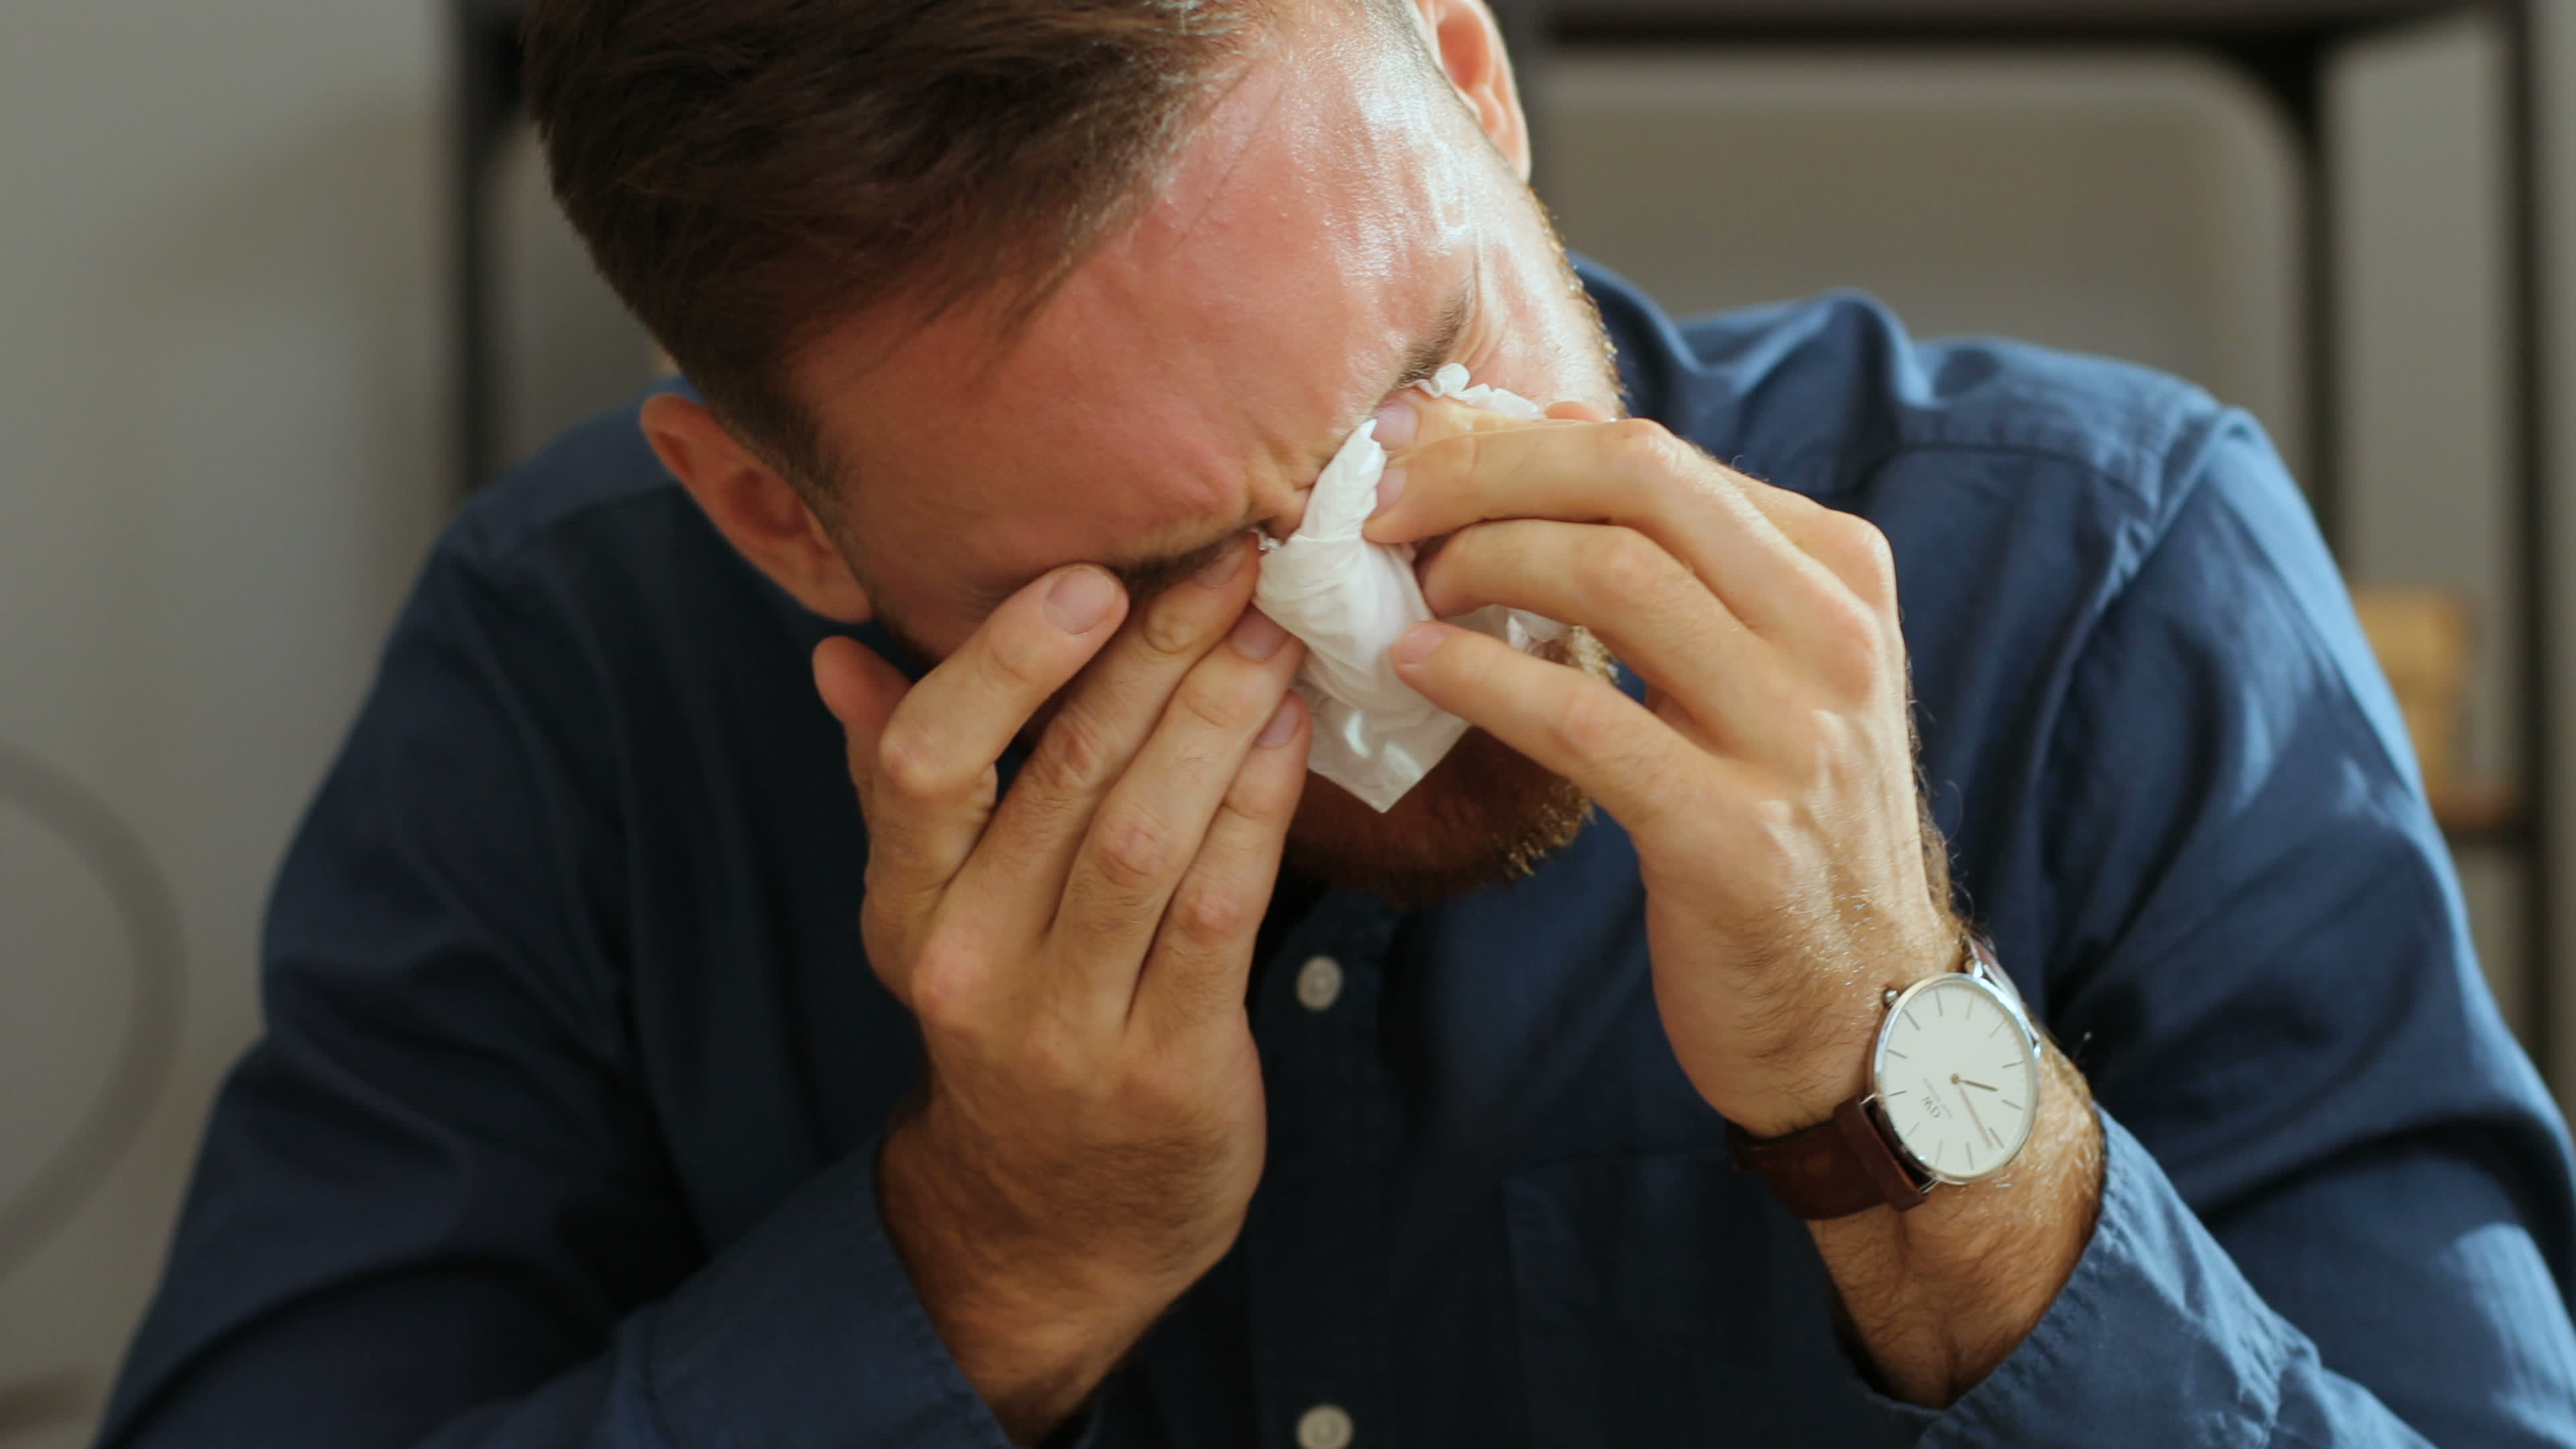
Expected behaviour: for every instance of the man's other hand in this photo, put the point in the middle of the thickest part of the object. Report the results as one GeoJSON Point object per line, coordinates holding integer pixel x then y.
{"type": "Point", "coordinates": [1076, 952]}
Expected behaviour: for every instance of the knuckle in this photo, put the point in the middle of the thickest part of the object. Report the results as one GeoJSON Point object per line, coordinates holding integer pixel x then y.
{"type": "Point", "coordinates": [1227, 705]}
{"type": "Point", "coordinates": [1206, 916]}
{"type": "Point", "coordinates": [1465, 454]}
{"type": "Point", "coordinates": [1639, 445]}
{"type": "Point", "coordinates": [1265, 799]}
{"type": "Point", "coordinates": [1862, 554]}
{"type": "Point", "coordinates": [1856, 646]}
{"type": "Point", "coordinates": [1875, 557]}
{"type": "Point", "coordinates": [1468, 559]}
{"type": "Point", "coordinates": [1024, 658]}
{"type": "Point", "coordinates": [943, 985]}
{"type": "Point", "coordinates": [1171, 628]}
{"type": "Point", "coordinates": [1628, 571]}
{"type": "Point", "coordinates": [1131, 848]}
{"type": "Point", "coordinates": [910, 763]}
{"type": "Point", "coordinates": [1074, 757]}
{"type": "Point", "coordinates": [1589, 722]}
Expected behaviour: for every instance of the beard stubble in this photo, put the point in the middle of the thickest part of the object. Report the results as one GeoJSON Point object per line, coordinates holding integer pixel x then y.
{"type": "Point", "coordinates": [1486, 815]}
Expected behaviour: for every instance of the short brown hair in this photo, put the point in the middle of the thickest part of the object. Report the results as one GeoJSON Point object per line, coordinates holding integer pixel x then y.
{"type": "Point", "coordinates": [749, 173]}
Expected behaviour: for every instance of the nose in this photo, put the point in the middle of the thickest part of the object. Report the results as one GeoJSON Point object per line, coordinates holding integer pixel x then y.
{"type": "Point", "coordinates": [1398, 421]}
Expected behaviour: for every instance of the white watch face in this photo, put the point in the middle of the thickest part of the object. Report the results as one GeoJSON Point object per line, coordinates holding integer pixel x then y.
{"type": "Point", "coordinates": [1957, 1078]}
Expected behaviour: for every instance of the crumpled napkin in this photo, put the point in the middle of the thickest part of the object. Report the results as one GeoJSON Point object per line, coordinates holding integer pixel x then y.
{"type": "Point", "coordinates": [1350, 599]}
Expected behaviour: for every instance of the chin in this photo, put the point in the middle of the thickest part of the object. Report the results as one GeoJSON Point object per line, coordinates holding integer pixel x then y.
{"type": "Point", "coordinates": [1485, 815]}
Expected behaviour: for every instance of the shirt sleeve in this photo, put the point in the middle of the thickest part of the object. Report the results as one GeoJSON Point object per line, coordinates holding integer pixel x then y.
{"type": "Point", "coordinates": [2336, 1207]}
{"type": "Point", "coordinates": [432, 1207]}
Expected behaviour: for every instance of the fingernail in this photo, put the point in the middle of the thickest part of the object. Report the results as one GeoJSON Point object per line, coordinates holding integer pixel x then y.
{"type": "Point", "coordinates": [1217, 570]}
{"type": "Point", "coordinates": [1283, 724]}
{"type": "Point", "coordinates": [1418, 642]}
{"type": "Point", "coordinates": [1256, 635]}
{"type": "Point", "coordinates": [1390, 487]}
{"type": "Point", "coordinates": [1081, 599]}
{"type": "Point", "coordinates": [1396, 423]}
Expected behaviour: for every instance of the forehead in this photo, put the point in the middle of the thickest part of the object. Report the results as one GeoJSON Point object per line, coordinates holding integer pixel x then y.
{"type": "Point", "coordinates": [1201, 363]}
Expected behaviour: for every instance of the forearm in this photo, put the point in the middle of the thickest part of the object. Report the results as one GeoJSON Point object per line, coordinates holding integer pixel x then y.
{"type": "Point", "coordinates": [1936, 1297]}
{"type": "Point", "coordinates": [370, 1333]}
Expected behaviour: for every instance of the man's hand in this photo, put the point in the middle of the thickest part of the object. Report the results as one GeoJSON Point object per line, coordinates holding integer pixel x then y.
{"type": "Point", "coordinates": [1076, 952]}
{"type": "Point", "coordinates": [1769, 779]}
{"type": "Point", "coordinates": [1768, 783]}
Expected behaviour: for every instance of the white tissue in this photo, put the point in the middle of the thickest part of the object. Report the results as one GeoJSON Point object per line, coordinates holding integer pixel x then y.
{"type": "Point", "coordinates": [1350, 599]}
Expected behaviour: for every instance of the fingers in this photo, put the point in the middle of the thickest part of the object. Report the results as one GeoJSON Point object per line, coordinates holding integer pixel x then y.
{"type": "Point", "coordinates": [1583, 728]}
{"type": "Point", "coordinates": [1412, 421]}
{"type": "Point", "coordinates": [1846, 543]}
{"type": "Point", "coordinates": [1107, 716]}
{"type": "Point", "coordinates": [1150, 826]}
{"type": "Point", "coordinates": [1201, 959]}
{"type": "Point", "coordinates": [861, 690]}
{"type": "Point", "coordinates": [1413, 418]}
{"type": "Point", "coordinates": [1655, 616]}
{"type": "Point", "coordinates": [1632, 473]}
{"type": "Point", "coordinates": [929, 781]}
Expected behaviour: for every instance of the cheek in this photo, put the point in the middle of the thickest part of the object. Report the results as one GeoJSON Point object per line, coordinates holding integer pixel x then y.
{"type": "Point", "coordinates": [1536, 334]}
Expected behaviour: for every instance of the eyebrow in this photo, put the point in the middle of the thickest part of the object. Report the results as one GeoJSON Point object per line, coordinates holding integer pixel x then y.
{"type": "Point", "coordinates": [1145, 577]}
{"type": "Point", "coordinates": [1432, 350]}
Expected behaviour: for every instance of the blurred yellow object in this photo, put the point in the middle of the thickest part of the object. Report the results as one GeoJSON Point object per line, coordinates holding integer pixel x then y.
{"type": "Point", "coordinates": [2423, 638]}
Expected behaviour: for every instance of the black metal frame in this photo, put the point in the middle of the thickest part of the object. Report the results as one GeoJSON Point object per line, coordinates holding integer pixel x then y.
{"type": "Point", "coordinates": [2283, 45]}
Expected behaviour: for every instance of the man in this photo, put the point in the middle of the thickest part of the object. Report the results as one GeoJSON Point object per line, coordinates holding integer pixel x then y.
{"type": "Point", "coordinates": [624, 1085]}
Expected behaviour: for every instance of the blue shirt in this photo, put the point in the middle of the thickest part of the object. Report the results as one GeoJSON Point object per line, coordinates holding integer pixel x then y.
{"type": "Point", "coordinates": [563, 1128]}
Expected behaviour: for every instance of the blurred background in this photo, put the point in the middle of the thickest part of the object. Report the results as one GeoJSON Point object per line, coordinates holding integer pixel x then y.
{"type": "Point", "coordinates": [261, 324]}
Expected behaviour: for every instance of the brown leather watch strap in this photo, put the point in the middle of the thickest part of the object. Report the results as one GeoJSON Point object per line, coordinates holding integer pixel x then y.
{"type": "Point", "coordinates": [1841, 1166]}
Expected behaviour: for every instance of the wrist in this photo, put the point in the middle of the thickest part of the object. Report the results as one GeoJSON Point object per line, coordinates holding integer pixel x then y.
{"type": "Point", "coordinates": [1822, 1061]}
{"type": "Point", "coordinates": [1802, 1086]}
{"type": "Point", "coordinates": [1032, 1324]}
{"type": "Point", "coordinates": [1938, 1297]}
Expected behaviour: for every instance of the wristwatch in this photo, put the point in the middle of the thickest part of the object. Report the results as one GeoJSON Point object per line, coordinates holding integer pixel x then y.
{"type": "Point", "coordinates": [1953, 1088]}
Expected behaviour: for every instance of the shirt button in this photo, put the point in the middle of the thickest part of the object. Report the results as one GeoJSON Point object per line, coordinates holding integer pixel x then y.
{"type": "Point", "coordinates": [1324, 1426]}
{"type": "Point", "coordinates": [1319, 985]}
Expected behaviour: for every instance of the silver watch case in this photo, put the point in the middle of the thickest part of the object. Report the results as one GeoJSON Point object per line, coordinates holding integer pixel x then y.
{"type": "Point", "coordinates": [1983, 973]}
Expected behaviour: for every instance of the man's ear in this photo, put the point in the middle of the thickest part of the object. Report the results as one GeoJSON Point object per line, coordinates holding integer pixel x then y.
{"type": "Point", "coordinates": [759, 513]}
{"type": "Point", "coordinates": [1469, 43]}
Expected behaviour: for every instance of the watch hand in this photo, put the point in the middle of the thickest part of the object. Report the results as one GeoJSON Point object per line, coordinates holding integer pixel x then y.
{"type": "Point", "coordinates": [1967, 1102]}
{"type": "Point", "coordinates": [1964, 1082]}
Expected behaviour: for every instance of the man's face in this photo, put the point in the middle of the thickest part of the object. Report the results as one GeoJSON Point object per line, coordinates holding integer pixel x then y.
{"type": "Point", "coordinates": [1336, 228]}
